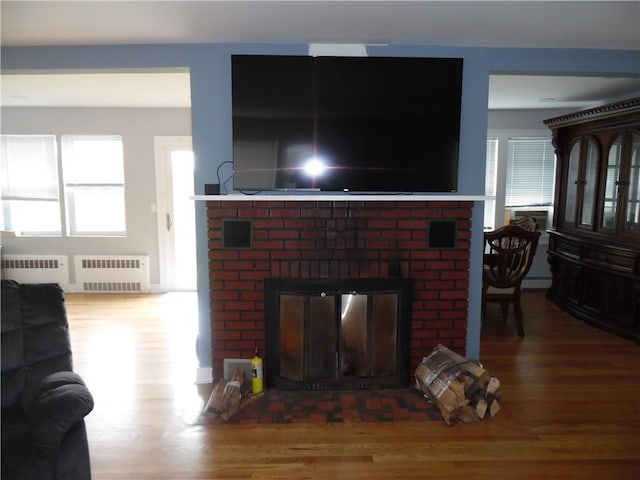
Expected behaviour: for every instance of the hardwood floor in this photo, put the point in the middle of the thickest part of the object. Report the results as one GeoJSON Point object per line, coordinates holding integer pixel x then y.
{"type": "Point", "coordinates": [571, 407]}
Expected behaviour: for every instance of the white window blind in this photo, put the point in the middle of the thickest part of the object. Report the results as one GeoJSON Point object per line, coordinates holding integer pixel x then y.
{"type": "Point", "coordinates": [29, 182]}
{"type": "Point", "coordinates": [29, 166]}
{"type": "Point", "coordinates": [530, 172]}
{"type": "Point", "coordinates": [490, 183]}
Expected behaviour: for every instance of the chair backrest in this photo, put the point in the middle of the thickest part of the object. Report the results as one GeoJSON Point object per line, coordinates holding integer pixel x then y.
{"type": "Point", "coordinates": [528, 223]}
{"type": "Point", "coordinates": [35, 336]}
{"type": "Point", "coordinates": [508, 254]}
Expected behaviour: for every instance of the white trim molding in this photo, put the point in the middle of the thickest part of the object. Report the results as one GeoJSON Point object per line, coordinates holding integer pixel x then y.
{"type": "Point", "coordinates": [320, 197]}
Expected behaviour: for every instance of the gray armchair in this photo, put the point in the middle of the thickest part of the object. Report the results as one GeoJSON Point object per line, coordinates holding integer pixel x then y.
{"type": "Point", "coordinates": [43, 402]}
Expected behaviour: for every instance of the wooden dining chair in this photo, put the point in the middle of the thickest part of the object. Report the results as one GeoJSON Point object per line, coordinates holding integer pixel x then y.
{"type": "Point", "coordinates": [508, 255]}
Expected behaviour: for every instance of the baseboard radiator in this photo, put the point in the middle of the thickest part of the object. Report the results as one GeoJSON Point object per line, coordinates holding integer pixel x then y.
{"type": "Point", "coordinates": [112, 273]}
{"type": "Point", "coordinates": [36, 269]}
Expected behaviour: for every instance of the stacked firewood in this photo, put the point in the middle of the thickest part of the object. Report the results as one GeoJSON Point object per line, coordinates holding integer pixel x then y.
{"type": "Point", "coordinates": [462, 389]}
{"type": "Point", "coordinates": [225, 399]}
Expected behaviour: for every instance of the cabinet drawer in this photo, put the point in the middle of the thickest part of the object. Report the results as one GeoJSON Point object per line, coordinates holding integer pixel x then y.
{"type": "Point", "coordinates": [570, 249]}
{"type": "Point", "coordinates": [625, 262]}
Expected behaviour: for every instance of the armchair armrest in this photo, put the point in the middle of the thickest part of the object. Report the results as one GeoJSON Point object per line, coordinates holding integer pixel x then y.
{"type": "Point", "coordinates": [54, 406]}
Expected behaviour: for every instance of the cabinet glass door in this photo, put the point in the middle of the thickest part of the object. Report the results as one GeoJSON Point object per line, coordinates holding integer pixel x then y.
{"type": "Point", "coordinates": [610, 200]}
{"type": "Point", "coordinates": [589, 183]}
{"type": "Point", "coordinates": [632, 207]}
{"type": "Point", "coordinates": [571, 187]}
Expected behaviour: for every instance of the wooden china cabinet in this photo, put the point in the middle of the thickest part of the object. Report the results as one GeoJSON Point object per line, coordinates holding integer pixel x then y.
{"type": "Point", "coordinates": [594, 245]}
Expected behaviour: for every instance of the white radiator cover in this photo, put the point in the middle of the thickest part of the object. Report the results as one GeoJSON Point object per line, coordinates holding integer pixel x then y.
{"type": "Point", "coordinates": [37, 269]}
{"type": "Point", "coordinates": [112, 273]}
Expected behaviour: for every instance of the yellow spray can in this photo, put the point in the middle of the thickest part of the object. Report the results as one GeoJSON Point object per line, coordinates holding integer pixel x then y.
{"type": "Point", "coordinates": [257, 378]}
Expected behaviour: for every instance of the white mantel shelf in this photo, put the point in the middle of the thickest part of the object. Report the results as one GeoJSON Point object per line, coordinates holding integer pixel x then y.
{"type": "Point", "coordinates": [340, 198]}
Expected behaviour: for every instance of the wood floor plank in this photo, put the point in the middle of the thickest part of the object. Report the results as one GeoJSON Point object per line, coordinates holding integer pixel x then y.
{"type": "Point", "coordinates": [570, 407]}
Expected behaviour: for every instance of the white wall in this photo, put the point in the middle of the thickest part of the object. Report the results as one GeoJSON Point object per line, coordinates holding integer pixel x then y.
{"type": "Point", "coordinates": [137, 126]}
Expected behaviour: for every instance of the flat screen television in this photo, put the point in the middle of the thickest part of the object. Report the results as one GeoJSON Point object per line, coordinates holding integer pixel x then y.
{"type": "Point", "coordinates": [353, 124]}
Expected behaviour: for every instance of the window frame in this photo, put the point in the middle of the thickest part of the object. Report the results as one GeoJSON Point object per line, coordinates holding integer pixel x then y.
{"type": "Point", "coordinates": [13, 199]}
{"type": "Point", "coordinates": [503, 213]}
{"type": "Point", "coordinates": [491, 182]}
{"type": "Point", "coordinates": [71, 189]}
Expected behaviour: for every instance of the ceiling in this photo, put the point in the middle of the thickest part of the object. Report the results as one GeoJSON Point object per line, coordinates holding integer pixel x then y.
{"type": "Point", "coordinates": [559, 24]}
{"type": "Point", "coordinates": [566, 24]}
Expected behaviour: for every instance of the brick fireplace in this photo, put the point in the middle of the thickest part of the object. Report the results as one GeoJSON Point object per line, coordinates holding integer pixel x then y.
{"type": "Point", "coordinates": [254, 240]}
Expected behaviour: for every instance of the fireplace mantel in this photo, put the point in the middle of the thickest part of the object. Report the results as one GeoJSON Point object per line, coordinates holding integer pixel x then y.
{"type": "Point", "coordinates": [323, 197]}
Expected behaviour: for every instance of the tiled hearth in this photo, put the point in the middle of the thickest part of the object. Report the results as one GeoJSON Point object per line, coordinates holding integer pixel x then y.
{"type": "Point", "coordinates": [281, 406]}
{"type": "Point", "coordinates": [250, 241]}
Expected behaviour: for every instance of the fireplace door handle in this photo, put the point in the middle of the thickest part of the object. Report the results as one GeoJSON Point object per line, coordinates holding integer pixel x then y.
{"type": "Point", "coordinates": [169, 222]}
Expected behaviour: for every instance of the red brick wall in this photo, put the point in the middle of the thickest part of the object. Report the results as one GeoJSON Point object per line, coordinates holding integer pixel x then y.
{"type": "Point", "coordinates": [322, 239]}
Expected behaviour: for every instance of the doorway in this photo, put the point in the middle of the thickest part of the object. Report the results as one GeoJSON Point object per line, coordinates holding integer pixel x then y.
{"type": "Point", "coordinates": [176, 213]}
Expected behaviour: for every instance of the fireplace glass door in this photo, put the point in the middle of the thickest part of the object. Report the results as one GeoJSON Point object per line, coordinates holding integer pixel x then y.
{"type": "Point", "coordinates": [337, 340]}
{"type": "Point", "coordinates": [313, 317]}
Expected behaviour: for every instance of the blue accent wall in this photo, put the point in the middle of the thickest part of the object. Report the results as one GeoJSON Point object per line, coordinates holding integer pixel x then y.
{"type": "Point", "coordinates": [210, 69]}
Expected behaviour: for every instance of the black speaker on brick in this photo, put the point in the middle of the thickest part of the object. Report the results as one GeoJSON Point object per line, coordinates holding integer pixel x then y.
{"type": "Point", "coordinates": [236, 233]}
{"type": "Point", "coordinates": [442, 233]}
{"type": "Point", "coordinates": [395, 269]}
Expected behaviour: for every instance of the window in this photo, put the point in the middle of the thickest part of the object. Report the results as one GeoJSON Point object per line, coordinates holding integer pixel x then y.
{"type": "Point", "coordinates": [93, 170]}
{"type": "Point", "coordinates": [520, 177]}
{"type": "Point", "coordinates": [30, 193]}
{"type": "Point", "coordinates": [490, 183]}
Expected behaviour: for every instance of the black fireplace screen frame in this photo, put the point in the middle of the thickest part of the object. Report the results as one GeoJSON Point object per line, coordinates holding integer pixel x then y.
{"type": "Point", "coordinates": [274, 287]}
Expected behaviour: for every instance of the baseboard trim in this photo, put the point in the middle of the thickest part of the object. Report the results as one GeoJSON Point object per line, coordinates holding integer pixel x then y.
{"type": "Point", "coordinates": [536, 283]}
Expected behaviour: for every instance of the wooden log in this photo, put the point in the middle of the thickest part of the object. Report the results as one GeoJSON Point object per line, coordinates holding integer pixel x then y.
{"type": "Point", "coordinates": [494, 408]}
{"type": "Point", "coordinates": [436, 390]}
{"type": "Point", "coordinates": [481, 375]}
{"type": "Point", "coordinates": [461, 389]}
{"type": "Point", "coordinates": [481, 408]}
{"type": "Point", "coordinates": [450, 418]}
{"type": "Point", "coordinates": [468, 414]}
{"type": "Point", "coordinates": [216, 399]}
{"type": "Point", "coordinates": [493, 386]}
{"type": "Point", "coordinates": [438, 372]}
{"type": "Point", "coordinates": [458, 389]}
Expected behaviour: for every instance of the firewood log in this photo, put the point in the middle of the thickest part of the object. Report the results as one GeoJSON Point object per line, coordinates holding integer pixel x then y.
{"type": "Point", "coordinates": [494, 408]}
{"type": "Point", "coordinates": [493, 386]}
{"type": "Point", "coordinates": [461, 389]}
{"type": "Point", "coordinates": [481, 375]}
{"type": "Point", "coordinates": [216, 399]}
{"type": "Point", "coordinates": [436, 389]}
{"type": "Point", "coordinates": [467, 414]}
{"type": "Point", "coordinates": [481, 408]}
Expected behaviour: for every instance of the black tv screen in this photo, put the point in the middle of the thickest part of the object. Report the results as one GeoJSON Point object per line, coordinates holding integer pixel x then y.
{"type": "Point", "coordinates": [357, 124]}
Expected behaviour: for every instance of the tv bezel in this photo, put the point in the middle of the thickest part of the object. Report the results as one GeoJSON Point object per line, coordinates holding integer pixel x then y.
{"type": "Point", "coordinates": [453, 160]}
